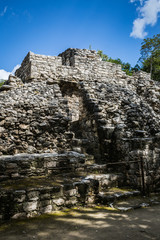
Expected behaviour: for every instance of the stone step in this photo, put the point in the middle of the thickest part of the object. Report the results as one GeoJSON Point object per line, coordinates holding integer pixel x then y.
{"type": "Point", "coordinates": [36, 195]}
{"type": "Point", "coordinates": [113, 195]}
{"type": "Point", "coordinates": [89, 159]}
{"type": "Point", "coordinates": [79, 141]}
{"type": "Point", "coordinates": [45, 164]}
{"type": "Point", "coordinates": [21, 166]}
{"type": "Point", "coordinates": [77, 149]}
{"type": "Point", "coordinates": [96, 168]}
{"type": "Point", "coordinates": [136, 202]}
{"type": "Point", "coordinates": [107, 180]}
{"type": "Point", "coordinates": [138, 139]}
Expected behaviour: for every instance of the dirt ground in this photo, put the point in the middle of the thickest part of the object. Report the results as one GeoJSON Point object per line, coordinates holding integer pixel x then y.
{"type": "Point", "coordinates": [87, 224]}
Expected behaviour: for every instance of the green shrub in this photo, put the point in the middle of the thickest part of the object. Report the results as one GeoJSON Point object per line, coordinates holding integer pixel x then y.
{"type": "Point", "coordinates": [1, 82]}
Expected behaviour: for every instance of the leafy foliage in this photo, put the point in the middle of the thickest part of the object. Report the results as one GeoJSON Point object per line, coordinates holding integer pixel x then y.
{"type": "Point", "coordinates": [150, 56]}
{"type": "Point", "coordinates": [126, 67]}
{"type": "Point", "coordinates": [1, 82]}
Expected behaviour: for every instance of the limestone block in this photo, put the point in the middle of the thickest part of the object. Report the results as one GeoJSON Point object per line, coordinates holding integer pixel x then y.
{"type": "Point", "coordinates": [2, 129]}
{"type": "Point", "coordinates": [45, 196]}
{"type": "Point", "coordinates": [21, 215]}
{"type": "Point", "coordinates": [33, 196]}
{"type": "Point", "coordinates": [46, 209]}
{"type": "Point", "coordinates": [45, 203]}
{"type": "Point", "coordinates": [30, 206]}
{"type": "Point", "coordinates": [59, 201]}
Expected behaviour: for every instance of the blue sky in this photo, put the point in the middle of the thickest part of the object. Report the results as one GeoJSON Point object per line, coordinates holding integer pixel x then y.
{"type": "Point", "coordinates": [50, 26]}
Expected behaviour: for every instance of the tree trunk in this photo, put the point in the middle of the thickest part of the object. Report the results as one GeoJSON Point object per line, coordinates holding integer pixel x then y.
{"type": "Point", "coordinates": [151, 67]}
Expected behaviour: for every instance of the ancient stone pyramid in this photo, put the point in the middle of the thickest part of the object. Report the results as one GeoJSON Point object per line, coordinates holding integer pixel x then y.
{"type": "Point", "coordinates": [73, 126]}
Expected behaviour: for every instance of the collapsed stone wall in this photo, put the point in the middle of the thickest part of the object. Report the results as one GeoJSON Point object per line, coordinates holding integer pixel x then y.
{"type": "Point", "coordinates": [78, 102]}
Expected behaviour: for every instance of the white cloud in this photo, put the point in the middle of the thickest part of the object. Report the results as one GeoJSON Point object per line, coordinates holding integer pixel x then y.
{"type": "Point", "coordinates": [4, 74]}
{"type": "Point", "coordinates": [141, 1]}
{"type": "Point", "coordinates": [4, 11]}
{"type": "Point", "coordinates": [15, 68]}
{"type": "Point", "coordinates": [148, 15]}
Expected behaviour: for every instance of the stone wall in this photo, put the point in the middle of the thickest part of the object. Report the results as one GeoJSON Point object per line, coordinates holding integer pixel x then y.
{"type": "Point", "coordinates": [45, 197]}
{"type": "Point", "coordinates": [37, 66]}
{"type": "Point", "coordinates": [45, 164]}
{"type": "Point", "coordinates": [73, 63]}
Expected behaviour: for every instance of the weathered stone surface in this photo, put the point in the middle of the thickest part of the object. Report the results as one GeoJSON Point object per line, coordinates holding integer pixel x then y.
{"type": "Point", "coordinates": [59, 202]}
{"type": "Point", "coordinates": [77, 115]}
{"type": "Point", "coordinates": [5, 88]}
{"type": "Point", "coordinates": [46, 164]}
{"type": "Point", "coordinates": [30, 206]}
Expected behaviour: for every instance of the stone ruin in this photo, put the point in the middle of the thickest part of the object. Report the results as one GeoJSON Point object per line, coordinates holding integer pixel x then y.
{"type": "Point", "coordinates": [72, 127]}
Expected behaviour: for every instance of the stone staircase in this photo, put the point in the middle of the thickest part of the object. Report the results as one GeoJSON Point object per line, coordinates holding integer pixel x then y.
{"type": "Point", "coordinates": [33, 196]}
{"type": "Point", "coordinates": [33, 184]}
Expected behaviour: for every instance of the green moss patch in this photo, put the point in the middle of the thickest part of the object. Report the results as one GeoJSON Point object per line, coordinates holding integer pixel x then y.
{"type": "Point", "coordinates": [33, 182]}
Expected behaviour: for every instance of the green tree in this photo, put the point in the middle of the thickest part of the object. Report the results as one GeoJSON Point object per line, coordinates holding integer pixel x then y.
{"type": "Point", "coordinates": [126, 67]}
{"type": "Point", "coordinates": [103, 56]}
{"type": "Point", "coordinates": [150, 56]}
{"type": "Point", "coordinates": [90, 47]}
{"type": "Point", "coordinates": [1, 82]}
{"type": "Point", "coordinates": [136, 68]}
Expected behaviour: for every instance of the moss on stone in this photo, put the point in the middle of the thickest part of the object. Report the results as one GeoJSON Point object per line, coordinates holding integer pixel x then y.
{"type": "Point", "coordinates": [122, 190]}
{"type": "Point", "coordinates": [33, 182]}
